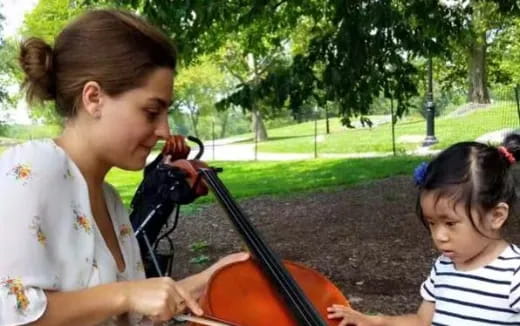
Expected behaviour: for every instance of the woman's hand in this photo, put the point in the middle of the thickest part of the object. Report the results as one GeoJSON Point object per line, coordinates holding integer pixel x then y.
{"type": "Point", "coordinates": [226, 260]}
{"type": "Point", "coordinates": [190, 167]}
{"type": "Point", "coordinates": [176, 147]}
{"type": "Point", "coordinates": [351, 316]}
{"type": "Point", "coordinates": [159, 299]}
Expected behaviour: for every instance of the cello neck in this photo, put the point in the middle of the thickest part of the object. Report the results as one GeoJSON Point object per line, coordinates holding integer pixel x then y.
{"type": "Point", "coordinates": [300, 306]}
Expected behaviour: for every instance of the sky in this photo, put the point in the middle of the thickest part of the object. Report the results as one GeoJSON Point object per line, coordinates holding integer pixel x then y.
{"type": "Point", "coordinates": [13, 11]}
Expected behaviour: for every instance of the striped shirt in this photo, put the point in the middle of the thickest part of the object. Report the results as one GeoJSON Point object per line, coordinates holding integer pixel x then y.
{"type": "Point", "coordinates": [489, 295]}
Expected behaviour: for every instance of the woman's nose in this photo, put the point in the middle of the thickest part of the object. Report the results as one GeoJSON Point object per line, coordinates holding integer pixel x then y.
{"type": "Point", "coordinates": [162, 129]}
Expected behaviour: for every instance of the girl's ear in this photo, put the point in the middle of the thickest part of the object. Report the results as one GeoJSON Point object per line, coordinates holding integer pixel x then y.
{"type": "Point", "coordinates": [498, 215]}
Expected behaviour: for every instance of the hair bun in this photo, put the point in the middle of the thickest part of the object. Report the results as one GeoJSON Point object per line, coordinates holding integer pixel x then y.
{"type": "Point", "coordinates": [36, 60]}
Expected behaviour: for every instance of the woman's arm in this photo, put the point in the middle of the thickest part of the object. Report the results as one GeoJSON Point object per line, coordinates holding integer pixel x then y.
{"type": "Point", "coordinates": [158, 298]}
{"type": "Point", "coordinates": [196, 283]}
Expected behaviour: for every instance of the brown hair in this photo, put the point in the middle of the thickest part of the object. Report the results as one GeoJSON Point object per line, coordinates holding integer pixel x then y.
{"type": "Point", "coordinates": [114, 48]}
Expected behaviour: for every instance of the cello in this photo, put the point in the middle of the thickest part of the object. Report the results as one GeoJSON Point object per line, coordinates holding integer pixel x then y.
{"type": "Point", "coordinates": [263, 290]}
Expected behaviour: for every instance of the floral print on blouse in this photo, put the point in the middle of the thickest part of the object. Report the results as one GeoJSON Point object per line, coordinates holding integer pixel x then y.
{"type": "Point", "coordinates": [48, 236]}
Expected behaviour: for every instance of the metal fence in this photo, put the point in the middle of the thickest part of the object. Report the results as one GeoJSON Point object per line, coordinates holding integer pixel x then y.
{"type": "Point", "coordinates": [374, 135]}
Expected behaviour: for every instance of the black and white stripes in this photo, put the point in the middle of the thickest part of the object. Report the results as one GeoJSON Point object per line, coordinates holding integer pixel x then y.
{"type": "Point", "coordinates": [489, 295]}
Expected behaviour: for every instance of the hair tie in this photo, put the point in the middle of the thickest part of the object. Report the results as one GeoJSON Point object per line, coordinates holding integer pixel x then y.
{"type": "Point", "coordinates": [419, 174]}
{"type": "Point", "coordinates": [507, 154]}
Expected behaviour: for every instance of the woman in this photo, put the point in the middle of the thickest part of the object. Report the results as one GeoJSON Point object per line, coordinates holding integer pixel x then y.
{"type": "Point", "coordinates": [69, 255]}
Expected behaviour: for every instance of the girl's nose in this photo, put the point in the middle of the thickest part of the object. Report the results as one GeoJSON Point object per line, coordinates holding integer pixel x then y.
{"type": "Point", "coordinates": [440, 234]}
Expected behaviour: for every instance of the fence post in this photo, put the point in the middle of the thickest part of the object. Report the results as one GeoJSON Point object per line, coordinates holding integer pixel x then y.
{"type": "Point", "coordinates": [213, 138]}
{"type": "Point", "coordinates": [393, 123]}
{"type": "Point", "coordinates": [256, 135]}
{"type": "Point", "coordinates": [316, 132]}
{"type": "Point", "coordinates": [517, 96]}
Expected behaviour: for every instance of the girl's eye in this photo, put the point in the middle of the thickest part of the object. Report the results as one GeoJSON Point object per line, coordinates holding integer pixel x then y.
{"type": "Point", "coordinates": [451, 223]}
{"type": "Point", "coordinates": [430, 223]}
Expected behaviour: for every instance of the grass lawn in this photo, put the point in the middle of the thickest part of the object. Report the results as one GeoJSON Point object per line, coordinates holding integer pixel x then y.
{"type": "Point", "coordinates": [300, 138]}
{"type": "Point", "coordinates": [247, 179]}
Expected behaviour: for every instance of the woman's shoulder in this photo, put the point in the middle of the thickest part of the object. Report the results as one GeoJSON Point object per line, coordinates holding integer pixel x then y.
{"type": "Point", "coordinates": [36, 159]}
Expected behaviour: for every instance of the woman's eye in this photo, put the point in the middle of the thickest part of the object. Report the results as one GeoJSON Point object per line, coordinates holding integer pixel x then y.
{"type": "Point", "coordinates": [152, 114]}
{"type": "Point", "coordinates": [451, 223]}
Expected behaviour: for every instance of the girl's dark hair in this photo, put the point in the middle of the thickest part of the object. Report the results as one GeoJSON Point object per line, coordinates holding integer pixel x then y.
{"type": "Point", "coordinates": [473, 173]}
{"type": "Point", "coordinates": [112, 47]}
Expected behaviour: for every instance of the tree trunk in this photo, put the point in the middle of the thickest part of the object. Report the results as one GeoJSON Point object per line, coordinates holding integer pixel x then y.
{"type": "Point", "coordinates": [194, 117]}
{"type": "Point", "coordinates": [224, 121]}
{"type": "Point", "coordinates": [327, 120]}
{"type": "Point", "coordinates": [477, 71]}
{"type": "Point", "coordinates": [258, 126]}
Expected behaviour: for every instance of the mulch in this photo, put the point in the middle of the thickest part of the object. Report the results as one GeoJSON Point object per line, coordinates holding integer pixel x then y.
{"type": "Point", "coordinates": [366, 239]}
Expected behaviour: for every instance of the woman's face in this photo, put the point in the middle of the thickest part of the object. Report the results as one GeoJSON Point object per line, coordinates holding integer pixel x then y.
{"type": "Point", "coordinates": [131, 123]}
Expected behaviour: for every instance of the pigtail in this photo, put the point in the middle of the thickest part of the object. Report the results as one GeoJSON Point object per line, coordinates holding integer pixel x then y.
{"type": "Point", "coordinates": [511, 144]}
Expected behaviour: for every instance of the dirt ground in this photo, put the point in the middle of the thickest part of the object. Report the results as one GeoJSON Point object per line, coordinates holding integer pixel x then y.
{"type": "Point", "coordinates": [366, 239]}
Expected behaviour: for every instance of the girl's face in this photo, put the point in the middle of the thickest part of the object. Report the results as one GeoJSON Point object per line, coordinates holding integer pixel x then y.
{"type": "Point", "coordinates": [455, 236]}
{"type": "Point", "coordinates": [130, 124]}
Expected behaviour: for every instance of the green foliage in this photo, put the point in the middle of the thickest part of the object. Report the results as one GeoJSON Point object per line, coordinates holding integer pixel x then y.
{"type": "Point", "coordinates": [365, 47]}
{"type": "Point", "coordinates": [197, 87]}
{"type": "Point", "coordinates": [48, 18]}
{"type": "Point", "coordinates": [199, 249]}
{"type": "Point", "coordinates": [6, 65]}
{"type": "Point", "coordinates": [508, 46]}
{"type": "Point", "coordinates": [46, 21]}
{"type": "Point", "coordinates": [26, 132]}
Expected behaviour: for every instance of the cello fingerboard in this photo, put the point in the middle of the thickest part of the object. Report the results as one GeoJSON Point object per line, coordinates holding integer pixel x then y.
{"type": "Point", "coordinates": [300, 306]}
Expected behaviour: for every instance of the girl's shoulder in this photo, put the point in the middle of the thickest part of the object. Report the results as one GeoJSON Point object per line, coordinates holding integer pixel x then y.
{"type": "Point", "coordinates": [512, 254]}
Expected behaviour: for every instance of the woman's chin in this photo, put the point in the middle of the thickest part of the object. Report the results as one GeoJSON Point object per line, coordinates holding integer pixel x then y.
{"type": "Point", "coordinates": [133, 165]}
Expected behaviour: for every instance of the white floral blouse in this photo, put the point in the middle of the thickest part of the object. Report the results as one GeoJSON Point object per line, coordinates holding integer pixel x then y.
{"type": "Point", "coordinates": [48, 237]}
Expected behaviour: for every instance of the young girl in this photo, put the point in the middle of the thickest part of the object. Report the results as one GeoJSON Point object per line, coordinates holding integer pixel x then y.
{"type": "Point", "coordinates": [465, 197]}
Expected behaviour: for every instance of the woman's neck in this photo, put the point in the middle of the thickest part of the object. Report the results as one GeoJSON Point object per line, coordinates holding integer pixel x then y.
{"type": "Point", "coordinates": [81, 152]}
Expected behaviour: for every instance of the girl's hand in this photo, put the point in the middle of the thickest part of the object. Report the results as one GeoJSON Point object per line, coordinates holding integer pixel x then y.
{"type": "Point", "coordinates": [350, 316]}
{"type": "Point", "coordinates": [159, 299]}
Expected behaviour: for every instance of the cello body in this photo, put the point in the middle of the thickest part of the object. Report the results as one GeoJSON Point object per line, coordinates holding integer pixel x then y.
{"type": "Point", "coordinates": [241, 294]}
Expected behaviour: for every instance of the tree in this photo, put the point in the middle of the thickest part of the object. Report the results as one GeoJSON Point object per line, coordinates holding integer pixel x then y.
{"type": "Point", "coordinates": [353, 50]}
{"type": "Point", "coordinates": [45, 21]}
{"type": "Point", "coordinates": [197, 89]}
{"type": "Point", "coordinates": [4, 65]}
{"type": "Point", "coordinates": [248, 70]}
{"type": "Point", "coordinates": [508, 47]}
{"type": "Point", "coordinates": [485, 23]}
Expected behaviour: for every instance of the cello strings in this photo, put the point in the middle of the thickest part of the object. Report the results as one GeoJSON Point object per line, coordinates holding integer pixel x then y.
{"type": "Point", "coordinates": [293, 293]}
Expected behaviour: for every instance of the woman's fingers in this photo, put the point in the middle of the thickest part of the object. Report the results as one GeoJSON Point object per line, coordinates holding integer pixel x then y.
{"type": "Point", "coordinates": [187, 301]}
{"type": "Point", "coordinates": [177, 147]}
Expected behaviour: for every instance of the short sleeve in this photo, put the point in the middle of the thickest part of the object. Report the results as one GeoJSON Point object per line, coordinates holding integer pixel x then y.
{"type": "Point", "coordinates": [514, 293]}
{"type": "Point", "coordinates": [428, 286]}
{"type": "Point", "coordinates": [32, 259]}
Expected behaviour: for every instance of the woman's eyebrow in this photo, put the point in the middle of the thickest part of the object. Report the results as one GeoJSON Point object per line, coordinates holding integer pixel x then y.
{"type": "Point", "coordinates": [160, 101]}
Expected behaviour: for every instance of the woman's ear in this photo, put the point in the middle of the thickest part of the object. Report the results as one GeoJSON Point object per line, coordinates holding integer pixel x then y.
{"type": "Point", "coordinates": [92, 99]}
{"type": "Point", "coordinates": [498, 215]}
